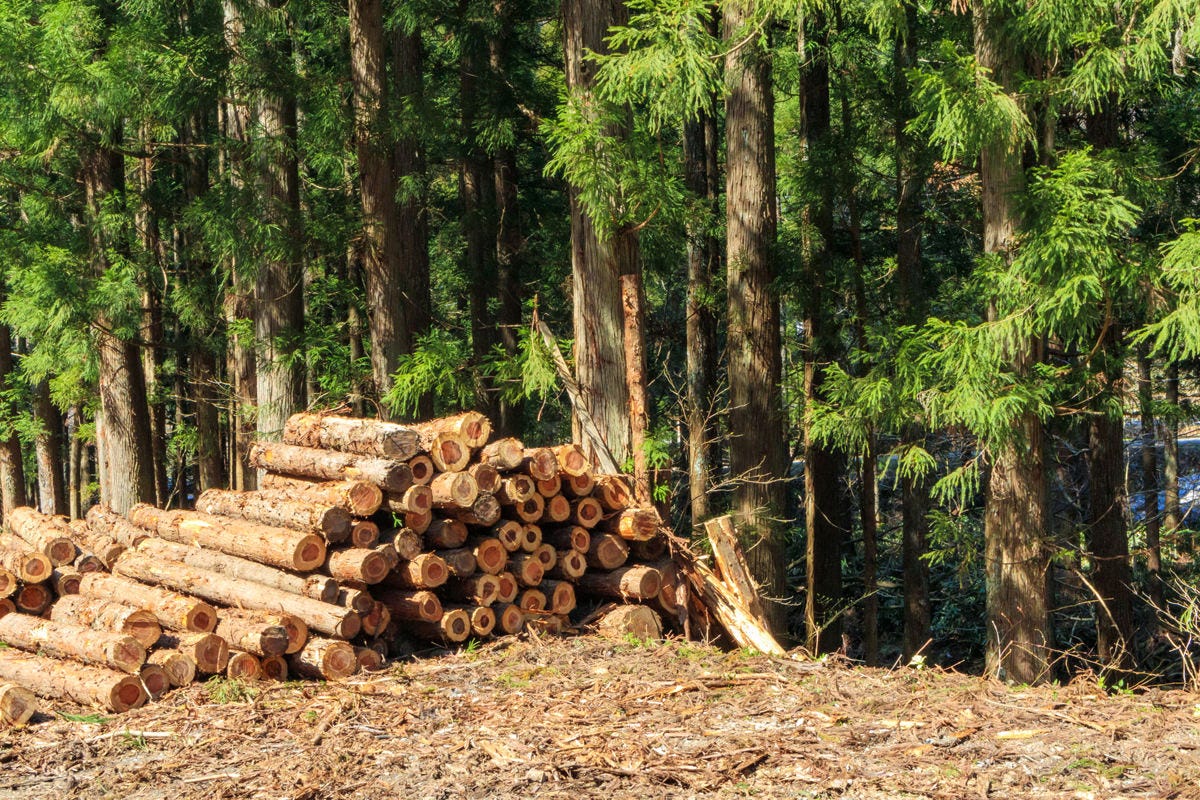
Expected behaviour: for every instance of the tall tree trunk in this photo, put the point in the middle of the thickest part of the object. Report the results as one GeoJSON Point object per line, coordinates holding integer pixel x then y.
{"type": "Point", "coordinates": [1149, 481]}
{"type": "Point", "coordinates": [75, 455]}
{"type": "Point", "coordinates": [822, 466]}
{"type": "Point", "coordinates": [128, 469]}
{"type": "Point", "coordinates": [758, 451]}
{"type": "Point", "coordinates": [48, 448]}
{"type": "Point", "coordinates": [12, 463]}
{"type": "Point", "coordinates": [1015, 518]}
{"type": "Point", "coordinates": [1172, 519]}
{"type": "Point", "coordinates": [597, 260]}
{"type": "Point", "coordinates": [154, 353]}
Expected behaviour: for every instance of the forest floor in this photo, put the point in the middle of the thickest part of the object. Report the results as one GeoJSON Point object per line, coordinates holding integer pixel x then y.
{"type": "Point", "coordinates": [586, 717]}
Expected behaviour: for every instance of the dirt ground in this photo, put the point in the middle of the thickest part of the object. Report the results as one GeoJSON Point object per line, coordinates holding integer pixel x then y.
{"type": "Point", "coordinates": [585, 717]}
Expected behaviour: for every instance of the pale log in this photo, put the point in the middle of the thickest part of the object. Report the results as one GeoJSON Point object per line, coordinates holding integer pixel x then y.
{"type": "Point", "coordinates": [155, 680]}
{"type": "Point", "coordinates": [357, 564]}
{"type": "Point", "coordinates": [108, 615]}
{"type": "Point", "coordinates": [33, 598]}
{"type": "Point", "coordinates": [67, 640]}
{"type": "Point", "coordinates": [460, 561]}
{"type": "Point", "coordinates": [607, 551]}
{"type": "Point", "coordinates": [453, 490]}
{"type": "Point", "coordinates": [572, 537]}
{"type": "Point", "coordinates": [254, 635]}
{"type": "Point", "coordinates": [8, 583]}
{"type": "Point", "coordinates": [613, 493]}
{"type": "Point", "coordinates": [531, 600]}
{"type": "Point", "coordinates": [422, 469]}
{"type": "Point", "coordinates": [417, 498]}
{"type": "Point", "coordinates": [483, 619]}
{"type": "Point", "coordinates": [635, 524]}
{"type": "Point", "coordinates": [330, 465]}
{"type": "Point", "coordinates": [638, 582]}
{"type": "Point", "coordinates": [405, 604]}
{"type": "Point", "coordinates": [490, 555]}
{"type": "Point", "coordinates": [360, 498]}
{"type": "Point", "coordinates": [426, 571]}
{"type": "Point", "coordinates": [481, 590]}
{"type": "Point", "coordinates": [586, 512]}
{"type": "Point", "coordinates": [318, 587]}
{"type": "Point", "coordinates": [277, 547]}
{"type": "Point", "coordinates": [558, 510]}
{"type": "Point", "coordinates": [87, 562]}
{"type": "Point", "coordinates": [376, 619]}
{"type": "Point", "coordinates": [453, 628]}
{"type": "Point", "coordinates": [99, 544]}
{"type": "Point", "coordinates": [29, 566]}
{"type": "Point", "coordinates": [50, 536]}
{"type": "Point", "coordinates": [173, 611]}
{"type": "Point", "coordinates": [578, 485]}
{"type": "Point", "coordinates": [180, 668]}
{"type": "Point", "coordinates": [366, 437]}
{"type": "Point", "coordinates": [208, 651]}
{"type": "Point", "coordinates": [560, 596]}
{"type": "Point", "coordinates": [486, 476]}
{"type": "Point", "coordinates": [243, 666]}
{"type": "Point", "coordinates": [539, 463]}
{"type": "Point", "coordinates": [327, 618]}
{"type": "Point", "coordinates": [484, 512]}
{"type": "Point", "coordinates": [510, 533]}
{"type": "Point", "coordinates": [510, 618]}
{"type": "Point", "coordinates": [327, 659]}
{"type": "Point", "coordinates": [503, 454]}
{"type": "Point", "coordinates": [624, 621]}
{"type": "Point", "coordinates": [515, 489]}
{"type": "Point", "coordinates": [572, 461]}
{"type": "Point", "coordinates": [507, 587]}
{"type": "Point", "coordinates": [17, 705]}
{"type": "Point", "coordinates": [472, 426]}
{"type": "Point", "coordinates": [531, 537]}
{"type": "Point", "coordinates": [570, 565]}
{"type": "Point", "coordinates": [526, 568]}
{"type": "Point", "coordinates": [80, 683]}
{"type": "Point", "coordinates": [549, 488]}
{"type": "Point", "coordinates": [329, 521]}
{"type": "Point", "coordinates": [275, 668]}
{"type": "Point", "coordinates": [445, 534]}
{"type": "Point", "coordinates": [103, 520]}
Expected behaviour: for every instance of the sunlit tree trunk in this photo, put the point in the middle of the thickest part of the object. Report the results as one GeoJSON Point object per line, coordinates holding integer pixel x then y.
{"type": "Point", "coordinates": [12, 465]}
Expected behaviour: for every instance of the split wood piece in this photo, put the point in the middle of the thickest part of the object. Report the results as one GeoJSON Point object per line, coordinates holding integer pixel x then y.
{"type": "Point", "coordinates": [586, 512]}
{"type": "Point", "coordinates": [547, 555]}
{"type": "Point", "coordinates": [278, 547]}
{"type": "Point", "coordinates": [558, 510]}
{"type": "Point", "coordinates": [375, 621]}
{"type": "Point", "coordinates": [108, 615]}
{"type": "Point", "coordinates": [330, 465]}
{"type": "Point", "coordinates": [418, 523]}
{"type": "Point", "coordinates": [741, 625]}
{"type": "Point", "coordinates": [209, 651]}
{"type": "Point", "coordinates": [483, 619]}
{"type": "Point", "coordinates": [327, 659]}
{"type": "Point", "coordinates": [503, 454]}
{"type": "Point", "coordinates": [387, 551]}
{"type": "Point", "coordinates": [612, 492]}
{"type": "Point", "coordinates": [548, 624]}
{"type": "Point", "coordinates": [560, 596]}
{"type": "Point", "coordinates": [426, 571]}
{"type": "Point", "coordinates": [510, 533]}
{"type": "Point", "coordinates": [356, 597]}
{"type": "Point", "coordinates": [549, 488]}
{"type": "Point", "coordinates": [607, 551]}
{"type": "Point", "coordinates": [155, 680]}
{"type": "Point", "coordinates": [368, 437]}
{"type": "Point", "coordinates": [8, 583]}
{"type": "Point", "coordinates": [409, 605]}
{"type": "Point", "coordinates": [625, 620]}
{"type": "Point", "coordinates": [360, 498]}
{"type": "Point", "coordinates": [97, 543]}
{"type": "Point", "coordinates": [81, 683]}
{"type": "Point", "coordinates": [275, 668]}
{"type": "Point", "coordinates": [510, 618]}
{"type": "Point", "coordinates": [460, 561]}
{"type": "Point", "coordinates": [637, 582]}
{"type": "Point", "coordinates": [369, 660]}
{"type": "Point", "coordinates": [318, 587]}
{"type": "Point", "coordinates": [539, 463]}
{"type": "Point", "coordinates": [448, 451]}
{"type": "Point", "coordinates": [33, 598]}
{"type": "Point", "coordinates": [173, 611]}
{"type": "Point", "coordinates": [17, 705]}
{"type": "Point", "coordinates": [573, 537]}
{"type": "Point", "coordinates": [103, 520]}
{"type": "Point", "coordinates": [731, 566]}
{"type": "Point", "coordinates": [180, 668]}
{"type": "Point", "coordinates": [634, 524]}
{"type": "Point", "coordinates": [515, 489]}
{"type": "Point", "coordinates": [7, 606]}
{"type": "Point", "coordinates": [527, 569]}
{"type": "Point", "coordinates": [364, 533]}
{"type": "Point", "coordinates": [417, 498]}
{"type": "Point", "coordinates": [422, 470]}
{"type": "Point", "coordinates": [578, 485]}
{"type": "Point", "coordinates": [454, 490]}
{"type": "Point", "coordinates": [68, 640]}
{"type": "Point", "coordinates": [570, 565]}
{"type": "Point", "coordinates": [486, 476]}
{"type": "Point", "coordinates": [473, 427]}
{"type": "Point", "coordinates": [327, 618]}
{"type": "Point", "coordinates": [531, 600]}
{"type": "Point", "coordinates": [252, 634]}
{"type": "Point", "coordinates": [507, 587]}
{"type": "Point", "coordinates": [572, 461]}
{"type": "Point", "coordinates": [446, 534]}
{"type": "Point", "coordinates": [453, 628]}
{"type": "Point", "coordinates": [66, 581]}
{"type": "Point", "coordinates": [87, 562]}
{"type": "Point", "coordinates": [490, 555]}
{"type": "Point", "coordinates": [29, 566]}
{"type": "Point", "coordinates": [528, 510]}
{"type": "Point", "coordinates": [358, 564]}
{"type": "Point", "coordinates": [50, 536]}
{"type": "Point", "coordinates": [651, 549]}
{"type": "Point", "coordinates": [329, 521]}
{"type": "Point", "coordinates": [243, 666]}
{"type": "Point", "coordinates": [484, 512]}
{"type": "Point", "coordinates": [480, 590]}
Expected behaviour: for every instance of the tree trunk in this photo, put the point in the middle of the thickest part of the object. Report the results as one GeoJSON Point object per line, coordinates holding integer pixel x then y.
{"type": "Point", "coordinates": [1172, 520]}
{"type": "Point", "coordinates": [146, 219]}
{"type": "Point", "coordinates": [48, 447]}
{"type": "Point", "coordinates": [1149, 482]}
{"type": "Point", "coordinates": [12, 465]}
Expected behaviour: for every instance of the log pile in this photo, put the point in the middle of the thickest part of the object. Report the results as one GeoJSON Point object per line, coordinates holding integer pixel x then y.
{"type": "Point", "coordinates": [362, 534]}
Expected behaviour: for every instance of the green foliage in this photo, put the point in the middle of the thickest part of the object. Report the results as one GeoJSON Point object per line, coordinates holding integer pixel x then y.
{"type": "Point", "coordinates": [229, 690]}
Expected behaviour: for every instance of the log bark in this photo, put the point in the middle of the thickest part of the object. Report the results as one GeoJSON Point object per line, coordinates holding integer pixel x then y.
{"type": "Point", "coordinates": [253, 634]}
{"type": "Point", "coordinates": [527, 569]}
{"type": "Point", "coordinates": [329, 521]}
{"type": "Point", "coordinates": [482, 590]}
{"type": "Point", "coordinates": [624, 621]}
{"type": "Point", "coordinates": [638, 582]}
{"type": "Point", "coordinates": [278, 547]}
{"type": "Point", "coordinates": [180, 668]}
{"type": "Point", "coordinates": [68, 640]}
{"type": "Point", "coordinates": [80, 683]}
{"type": "Point", "coordinates": [558, 510]}
{"type": "Point", "coordinates": [473, 427]}
{"type": "Point", "coordinates": [99, 544]}
{"type": "Point", "coordinates": [360, 498]}
{"type": "Point", "coordinates": [173, 611]}
{"type": "Point", "coordinates": [155, 680]}
{"type": "Point", "coordinates": [17, 705]}
{"type": "Point", "coordinates": [365, 437]}
{"type": "Point", "coordinates": [416, 499]}
{"type": "Point", "coordinates": [454, 627]}
{"type": "Point", "coordinates": [446, 534]}
{"type": "Point", "coordinates": [408, 605]}
{"type": "Point", "coordinates": [50, 536]}
{"type": "Point", "coordinates": [503, 454]}
{"type": "Point", "coordinates": [486, 476]}
{"type": "Point", "coordinates": [539, 463]}
{"type": "Point", "coordinates": [327, 618]}
{"type": "Point", "coordinates": [426, 571]}
{"type": "Point", "coordinates": [731, 566]}
{"type": "Point", "coordinates": [460, 561]}
{"type": "Point", "coordinates": [453, 490]}
{"type": "Point", "coordinates": [66, 581]}
{"type": "Point", "coordinates": [28, 566]}
{"type": "Point", "coordinates": [327, 659]}
{"type": "Point", "coordinates": [607, 551]}
{"type": "Point", "coordinates": [243, 666]}
{"type": "Point", "coordinates": [560, 596]}
{"type": "Point", "coordinates": [208, 651]}
{"type": "Point", "coordinates": [103, 520]}
{"type": "Point", "coordinates": [490, 555]}
{"type": "Point", "coordinates": [387, 551]}
{"type": "Point", "coordinates": [634, 524]}
{"type": "Point", "coordinates": [509, 617]}
{"type": "Point", "coordinates": [569, 566]}
{"type": "Point", "coordinates": [484, 512]}
{"type": "Point", "coordinates": [318, 587]}
{"type": "Point", "coordinates": [331, 465]}
{"type": "Point", "coordinates": [357, 564]}
{"type": "Point", "coordinates": [573, 537]}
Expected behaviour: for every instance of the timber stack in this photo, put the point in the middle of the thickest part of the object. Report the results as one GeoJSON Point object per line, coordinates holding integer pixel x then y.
{"type": "Point", "coordinates": [364, 534]}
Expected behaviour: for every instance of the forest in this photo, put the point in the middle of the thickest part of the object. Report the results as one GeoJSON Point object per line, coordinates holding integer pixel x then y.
{"type": "Point", "coordinates": [911, 289]}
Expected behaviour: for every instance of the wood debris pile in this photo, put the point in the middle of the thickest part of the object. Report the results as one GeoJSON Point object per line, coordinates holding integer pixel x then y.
{"type": "Point", "coordinates": [362, 532]}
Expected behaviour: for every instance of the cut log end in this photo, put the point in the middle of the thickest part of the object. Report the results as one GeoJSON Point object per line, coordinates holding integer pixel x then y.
{"type": "Point", "coordinates": [243, 666]}
{"type": "Point", "coordinates": [17, 704]}
{"type": "Point", "coordinates": [127, 694]}
{"type": "Point", "coordinates": [155, 680]}
{"type": "Point", "coordinates": [274, 668]}
{"type": "Point", "coordinates": [422, 469]}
